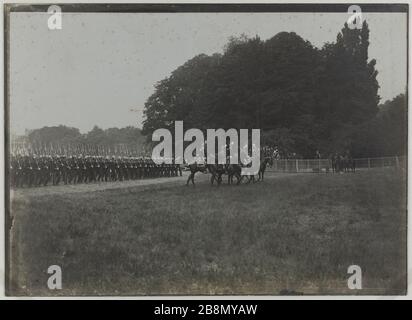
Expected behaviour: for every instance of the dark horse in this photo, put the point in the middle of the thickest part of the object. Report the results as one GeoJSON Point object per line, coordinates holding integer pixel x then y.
{"type": "Point", "coordinates": [193, 169]}
{"type": "Point", "coordinates": [232, 170]}
{"type": "Point", "coordinates": [216, 171]}
{"type": "Point", "coordinates": [235, 170]}
{"type": "Point", "coordinates": [263, 165]}
{"type": "Point", "coordinates": [262, 168]}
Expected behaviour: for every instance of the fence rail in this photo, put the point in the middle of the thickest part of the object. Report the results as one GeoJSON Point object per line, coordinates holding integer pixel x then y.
{"type": "Point", "coordinates": [325, 165]}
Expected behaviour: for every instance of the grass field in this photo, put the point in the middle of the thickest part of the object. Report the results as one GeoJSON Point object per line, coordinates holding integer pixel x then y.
{"type": "Point", "coordinates": [290, 234]}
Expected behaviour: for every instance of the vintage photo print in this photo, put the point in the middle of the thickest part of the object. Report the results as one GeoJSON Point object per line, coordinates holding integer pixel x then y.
{"type": "Point", "coordinates": [206, 149]}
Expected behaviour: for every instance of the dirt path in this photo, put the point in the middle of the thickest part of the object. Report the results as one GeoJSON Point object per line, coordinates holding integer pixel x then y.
{"type": "Point", "coordinates": [97, 186]}
{"type": "Point", "coordinates": [101, 186]}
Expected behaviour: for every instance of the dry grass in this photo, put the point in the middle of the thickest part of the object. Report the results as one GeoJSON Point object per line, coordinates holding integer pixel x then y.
{"type": "Point", "coordinates": [292, 234]}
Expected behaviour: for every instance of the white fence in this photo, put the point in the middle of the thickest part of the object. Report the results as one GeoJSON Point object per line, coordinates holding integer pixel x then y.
{"type": "Point", "coordinates": [325, 165]}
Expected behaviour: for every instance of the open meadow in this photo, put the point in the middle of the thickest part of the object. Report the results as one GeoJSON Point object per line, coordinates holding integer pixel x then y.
{"type": "Point", "coordinates": [291, 234]}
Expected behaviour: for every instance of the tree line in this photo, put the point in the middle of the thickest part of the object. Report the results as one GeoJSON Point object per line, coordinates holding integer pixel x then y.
{"type": "Point", "coordinates": [69, 139]}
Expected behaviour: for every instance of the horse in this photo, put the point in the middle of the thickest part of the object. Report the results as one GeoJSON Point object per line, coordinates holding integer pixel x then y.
{"type": "Point", "coordinates": [216, 171]}
{"type": "Point", "coordinates": [194, 167]}
{"type": "Point", "coordinates": [263, 165]}
{"type": "Point", "coordinates": [234, 170]}
{"type": "Point", "coordinates": [262, 168]}
{"type": "Point", "coordinates": [350, 164]}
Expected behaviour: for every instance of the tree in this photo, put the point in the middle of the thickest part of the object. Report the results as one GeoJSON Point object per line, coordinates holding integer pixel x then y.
{"type": "Point", "coordinates": [313, 99]}
{"type": "Point", "coordinates": [56, 134]}
{"type": "Point", "coordinates": [185, 95]}
{"type": "Point", "coordinates": [348, 87]}
{"type": "Point", "coordinates": [250, 84]}
{"type": "Point", "coordinates": [64, 138]}
{"type": "Point", "coordinates": [96, 136]}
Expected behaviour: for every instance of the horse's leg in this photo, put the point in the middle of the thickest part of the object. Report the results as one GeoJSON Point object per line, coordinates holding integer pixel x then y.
{"type": "Point", "coordinates": [189, 178]}
{"type": "Point", "coordinates": [212, 179]}
{"type": "Point", "coordinates": [219, 179]}
{"type": "Point", "coordinates": [239, 178]}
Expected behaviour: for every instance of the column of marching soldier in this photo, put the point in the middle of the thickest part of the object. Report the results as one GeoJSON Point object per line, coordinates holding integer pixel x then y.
{"type": "Point", "coordinates": [32, 170]}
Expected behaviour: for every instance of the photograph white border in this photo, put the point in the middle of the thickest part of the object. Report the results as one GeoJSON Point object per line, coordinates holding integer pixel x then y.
{"type": "Point", "coordinates": [177, 297]}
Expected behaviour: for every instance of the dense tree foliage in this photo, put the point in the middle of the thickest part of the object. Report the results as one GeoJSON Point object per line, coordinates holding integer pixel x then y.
{"type": "Point", "coordinates": [61, 134]}
{"type": "Point", "coordinates": [302, 98]}
{"type": "Point", "coordinates": [385, 134]}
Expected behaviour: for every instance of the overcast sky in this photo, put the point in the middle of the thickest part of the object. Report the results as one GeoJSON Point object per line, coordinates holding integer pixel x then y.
{"type": "Point", "coordinates": [100, 68]}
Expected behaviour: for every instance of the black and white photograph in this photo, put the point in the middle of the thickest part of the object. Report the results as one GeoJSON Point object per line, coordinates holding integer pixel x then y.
{"type": "Point", "coordinates": [206, 149]}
